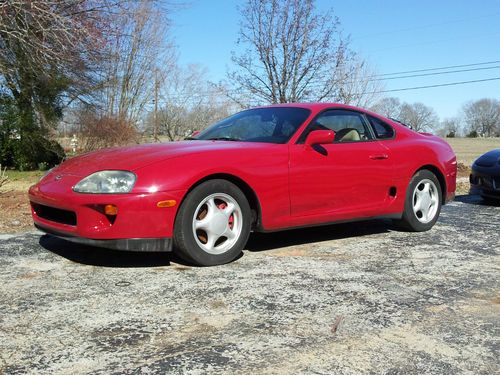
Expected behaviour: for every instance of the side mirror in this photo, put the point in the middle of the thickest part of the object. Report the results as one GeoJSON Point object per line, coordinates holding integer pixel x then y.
{"type": "Point", "coordinates": [320, 137]}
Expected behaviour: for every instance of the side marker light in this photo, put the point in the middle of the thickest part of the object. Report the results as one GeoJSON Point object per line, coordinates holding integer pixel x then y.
{"type": "Point", "coordinates": [168, 203]}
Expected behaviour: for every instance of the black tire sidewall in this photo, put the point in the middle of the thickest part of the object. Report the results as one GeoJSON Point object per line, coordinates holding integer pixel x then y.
{"type": "Point", "coordinates": [409, 220]}
{"type": "Point", "coordinates": [184, 241]}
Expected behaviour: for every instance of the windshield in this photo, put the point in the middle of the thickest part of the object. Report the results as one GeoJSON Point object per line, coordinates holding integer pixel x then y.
{"type": "Point", "coordinates": [271, 125]}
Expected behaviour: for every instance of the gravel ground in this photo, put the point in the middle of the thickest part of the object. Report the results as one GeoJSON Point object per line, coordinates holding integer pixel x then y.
{"type": "Point", "coordinates": [345, 299]}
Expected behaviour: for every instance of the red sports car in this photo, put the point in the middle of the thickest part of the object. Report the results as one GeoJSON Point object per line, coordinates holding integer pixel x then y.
{"type": "Point", "coordinates": [263, 169]}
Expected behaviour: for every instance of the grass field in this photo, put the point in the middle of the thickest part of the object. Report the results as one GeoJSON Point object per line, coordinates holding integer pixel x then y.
{"type": "Point", "coordinates": [469, 149]}
{"type": "Point", "coordinates": [22, 180]}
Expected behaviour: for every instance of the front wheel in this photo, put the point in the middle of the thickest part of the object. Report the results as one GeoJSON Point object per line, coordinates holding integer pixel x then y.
{"type": "Point", "coordinates": [422, 203]}
{"type": "Point", "coordinates": [213, 224]}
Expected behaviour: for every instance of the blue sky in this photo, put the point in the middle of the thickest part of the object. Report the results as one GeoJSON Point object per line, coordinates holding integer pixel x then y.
{"type": "Point", "coordinates": [392, 35]}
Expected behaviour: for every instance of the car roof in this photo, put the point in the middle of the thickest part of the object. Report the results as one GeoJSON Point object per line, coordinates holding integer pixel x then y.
{"type": "Point", "coordinates": [315, 106]}
{"type": "Point", "coordinates": [318, 107]}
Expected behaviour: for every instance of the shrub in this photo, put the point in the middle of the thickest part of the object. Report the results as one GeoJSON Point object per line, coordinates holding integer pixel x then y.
{"type": "Point", "coordinates": [33, 149]}
{"type": "Point", "coordinates": [104, 131]}
{"type": "Point", "coordinates": [473, 134]}
{"type": "Point", "coordinates": [22, 144]}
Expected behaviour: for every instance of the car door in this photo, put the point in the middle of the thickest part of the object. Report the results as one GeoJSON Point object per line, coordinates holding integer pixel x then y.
{"type": "Point", "coordinates": [349, 178]}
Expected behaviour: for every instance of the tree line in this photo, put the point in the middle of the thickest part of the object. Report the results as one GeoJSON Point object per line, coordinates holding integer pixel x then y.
{"type": "Point", "coordinates": [107, 70]}
{"type": "Point", "coordinates": [480, 118]}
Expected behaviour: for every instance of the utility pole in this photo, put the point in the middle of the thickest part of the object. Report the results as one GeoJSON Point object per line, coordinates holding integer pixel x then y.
{"type": "Point", "coordinates": [155, 125]}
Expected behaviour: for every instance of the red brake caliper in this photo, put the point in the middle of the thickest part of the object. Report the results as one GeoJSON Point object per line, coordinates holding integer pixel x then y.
{"type": "Point", "coordinates": [222, 206]}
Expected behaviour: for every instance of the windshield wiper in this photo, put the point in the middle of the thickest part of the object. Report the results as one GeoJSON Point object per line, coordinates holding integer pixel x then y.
{"type": "Point", "coordinates": [191, 139]}
{"type": "Point", "coordinates": [223, 139]}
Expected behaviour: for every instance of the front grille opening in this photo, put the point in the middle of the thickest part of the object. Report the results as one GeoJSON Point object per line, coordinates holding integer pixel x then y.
{"type": "Point", "coordinates": [496, 180]}
{"type": "Point", "coordinates": [55, 214]}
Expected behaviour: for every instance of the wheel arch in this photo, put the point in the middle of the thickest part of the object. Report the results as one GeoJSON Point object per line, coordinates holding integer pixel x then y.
{"type": "Point", "coordinates": [439, 175]}
{"type": "Point", "coordinates": [249, 192]}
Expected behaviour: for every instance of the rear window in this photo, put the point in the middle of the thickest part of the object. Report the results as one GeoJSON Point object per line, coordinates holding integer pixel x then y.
{"type": "Point", "coordinates": [381, 129]}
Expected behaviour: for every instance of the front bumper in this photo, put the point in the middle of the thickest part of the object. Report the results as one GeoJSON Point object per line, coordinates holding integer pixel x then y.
{"type": "Point", "coordinates": [58, 210]}
{"type": "Point", "coordinates": [127, 244]}
{"type": "Point", "coordinates": [487, 185]}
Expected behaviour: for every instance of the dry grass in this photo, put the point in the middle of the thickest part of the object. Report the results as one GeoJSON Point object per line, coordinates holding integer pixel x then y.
{"type": "Point", "coordinates": [469, 149]}
{"type": "Point", "coordinates": [21, 181]}
{"type": "Point", "coordinates": [4, 179]}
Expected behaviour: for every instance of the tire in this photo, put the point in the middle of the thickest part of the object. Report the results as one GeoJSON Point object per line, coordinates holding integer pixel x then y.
{"type": "Point", "coordinates": [213, 224]}
{"type": "Point", "coordinates": [422, 203]}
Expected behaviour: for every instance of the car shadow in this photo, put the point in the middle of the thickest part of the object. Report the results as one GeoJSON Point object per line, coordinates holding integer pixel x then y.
{"type": "Point", "coordinates": [95, 256]}
{"type": "Point", "coordinates": [476, 199]}
{"type": "Point", "coordinates": [292, 237]}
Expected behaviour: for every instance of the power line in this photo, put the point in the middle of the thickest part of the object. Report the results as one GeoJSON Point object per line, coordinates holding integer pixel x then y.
{"type": "Point", "coordinates": [420, 27]}
{"type": "Point", "coordinates": [372, 79]}
{"type": "Point", "coordinates": [440, 68]}
{"type": "Point", "coordinates": [222, 92]}
{"type": "Point", "coordinates": [318, 84]}
{"type": "Point", "coordinates": [438, 73]}
{"type": "Point", "coordinates": [215, 90]}
{"type": "Point", "coordinates": [439, 85]}
{"type": "Point", "coordinates": [436, 41]}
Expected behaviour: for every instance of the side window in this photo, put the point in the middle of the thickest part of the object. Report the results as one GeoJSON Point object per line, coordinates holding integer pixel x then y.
{"type": "Point", "coordinates": [348, 126]}
{"type": "Point", "coordinates": [381, 129]}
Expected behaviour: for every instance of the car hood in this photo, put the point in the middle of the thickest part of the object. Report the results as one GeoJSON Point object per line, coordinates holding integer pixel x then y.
{"type": "Point", "coordinates": [135, 157]}
{"type": "Point", "coordinates": [490, 159]}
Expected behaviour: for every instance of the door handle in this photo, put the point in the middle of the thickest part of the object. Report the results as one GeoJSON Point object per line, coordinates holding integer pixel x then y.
{"type": "Point", "coordinates": [379, 156]}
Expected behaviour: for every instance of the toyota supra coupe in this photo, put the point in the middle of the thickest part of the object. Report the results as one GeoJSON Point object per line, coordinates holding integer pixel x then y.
{"type": "Point", "coordinates": [263, 169]}
{"type": "Point", "coordinates": [485, 176]}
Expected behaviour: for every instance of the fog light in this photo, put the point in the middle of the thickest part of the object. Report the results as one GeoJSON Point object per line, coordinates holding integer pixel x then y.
{"type": "Point", "coordinates": [111, 210]}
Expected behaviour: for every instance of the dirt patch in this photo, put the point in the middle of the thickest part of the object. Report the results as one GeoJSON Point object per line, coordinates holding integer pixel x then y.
{"type": "Point", "coordinates": [463, 170]}
{"type": "Point", "coordinates": [15, 212]}
{"type": "Point", "coordinates": [463, 186]}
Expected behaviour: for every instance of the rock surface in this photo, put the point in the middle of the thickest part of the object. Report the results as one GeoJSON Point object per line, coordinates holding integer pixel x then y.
{"type": "Point", "coordinates": [344, 299]}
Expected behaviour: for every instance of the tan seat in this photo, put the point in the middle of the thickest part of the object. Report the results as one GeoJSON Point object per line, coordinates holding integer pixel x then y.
{"type": "Point", "coordinates": [347, 135]}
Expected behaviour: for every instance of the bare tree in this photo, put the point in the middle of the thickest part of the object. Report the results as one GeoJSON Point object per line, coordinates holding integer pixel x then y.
{"type": "Point", "coordinates": [450, 127]}
{"type": "Point", "coordinates": [4, 179]}
{"type": "Point", "coordinates": [419, 116]}
{"type": "Point", "coordinates": [360, 87]}
{"type": "Point", "coordinates": [189, 103]}
{"type": "Point", "coordinates": [294, 53]}
{"type": "Point", "coordinates": [140, 57]}
{"type": "Point", "coordinates": [483, 117]}
{"type": "Point", "coordinates": [51, 47]}
{"type": "Point", "coordinates": [389, 107]}
{"type": "Point", "coordinates": [49, 32]}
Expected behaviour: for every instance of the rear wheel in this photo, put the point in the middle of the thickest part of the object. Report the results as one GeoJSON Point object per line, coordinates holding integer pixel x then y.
{"type": "Point", "coordinates": [422, 203]}
{"type": "Point", "coordinates": [213, 224]}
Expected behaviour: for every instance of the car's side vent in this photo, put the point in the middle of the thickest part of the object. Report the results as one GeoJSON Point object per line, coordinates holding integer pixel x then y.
{"type": "Point", "coordinates": [393, 191]}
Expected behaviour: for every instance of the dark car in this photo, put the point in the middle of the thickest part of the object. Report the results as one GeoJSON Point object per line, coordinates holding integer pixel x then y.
{"type": "Point", "coordinates": [485, 176]}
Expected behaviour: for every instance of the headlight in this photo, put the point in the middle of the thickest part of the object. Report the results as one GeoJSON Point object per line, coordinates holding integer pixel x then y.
{"type": "Point", "coordinates": [106, 182]}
